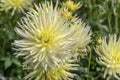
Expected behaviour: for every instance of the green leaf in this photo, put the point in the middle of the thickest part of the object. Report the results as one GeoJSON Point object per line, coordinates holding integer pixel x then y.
{"type": "Point", "coordinates": [7, 63]}
{"type": "Point", "coordinates": [16, 62]}
{"type": "Point", "coordinates": [78, 77]}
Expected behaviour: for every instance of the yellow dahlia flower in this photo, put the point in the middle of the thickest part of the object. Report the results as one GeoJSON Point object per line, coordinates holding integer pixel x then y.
{"type": "Point", "coordinates": [62, 72]}
{"type": "Point", "coordinates": [109, 55]}
{"type": "Point", "coordinates": [47, 41]}
{"type": "Point", "coordinates": [15, 5]}
{"type": "Point", "coordinates": [71, 5]}
{"type": "Point", "coordinates": [65, 14]}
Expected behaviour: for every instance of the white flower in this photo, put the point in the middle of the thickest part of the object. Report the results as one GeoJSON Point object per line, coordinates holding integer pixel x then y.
{"type": "Point", "coordinates": [15, 5]}
{"type": "Point", "coordinates": [62, 72]}
{"type": "Point", "coordinates": [48, 41]}
{"type": "Point", "coordinates": [109, 55]}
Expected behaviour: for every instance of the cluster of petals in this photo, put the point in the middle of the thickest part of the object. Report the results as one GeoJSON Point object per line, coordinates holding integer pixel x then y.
{"type": "Point", "coordinates": [48, 43]}
{"type": "Point", "coordinates": [109, 56]}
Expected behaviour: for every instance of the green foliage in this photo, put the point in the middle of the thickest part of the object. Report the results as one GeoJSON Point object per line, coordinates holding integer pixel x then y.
{"type": "Point", "coordinates": [101, 15]}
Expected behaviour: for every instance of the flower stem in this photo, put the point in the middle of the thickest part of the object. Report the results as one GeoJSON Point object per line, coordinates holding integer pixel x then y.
{"type": "Point", "coordinates": [108, 16]}
{"type": "Point", "coordinates": [45, 75]}
{"type": "Point", "coordinates": [109, 23]}
{"type": "Point", "coordinates": [89, 62]}
{"type": "Point", "coordinates": [90, 11]}
{"type": "Point", "coordinates": [3, 47]}
{"type": "Point", "coordinates": [116, 23]}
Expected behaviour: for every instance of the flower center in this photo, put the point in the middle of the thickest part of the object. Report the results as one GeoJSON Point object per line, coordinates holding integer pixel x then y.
{"type": "Point", "coordinates": [44, 37]}
{"type": "Point", "coordinates": [116, 56]}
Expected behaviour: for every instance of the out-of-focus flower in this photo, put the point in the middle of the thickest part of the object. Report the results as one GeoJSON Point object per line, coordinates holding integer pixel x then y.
{"type": "Point", "coordinates": [59, 73]}
{"type": "Point", "coordinates": [66, 14]}
{"type": "Point", "coordinates": [118, 1]}
{"type": "Point", "coordinates": [109, 56]}
{"type": "Point", "coordinates": [81, 35]}
{"type": "Point", "coordinates": [48, 41]}
{"type": "Point", "coordinates": [71, 5]}
{"type": "Point", "coordinates": [15, 5]}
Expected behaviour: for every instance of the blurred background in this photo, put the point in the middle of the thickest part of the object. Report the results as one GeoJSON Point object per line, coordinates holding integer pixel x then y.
{"type": "Point", "coordinates": [103, 16]}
